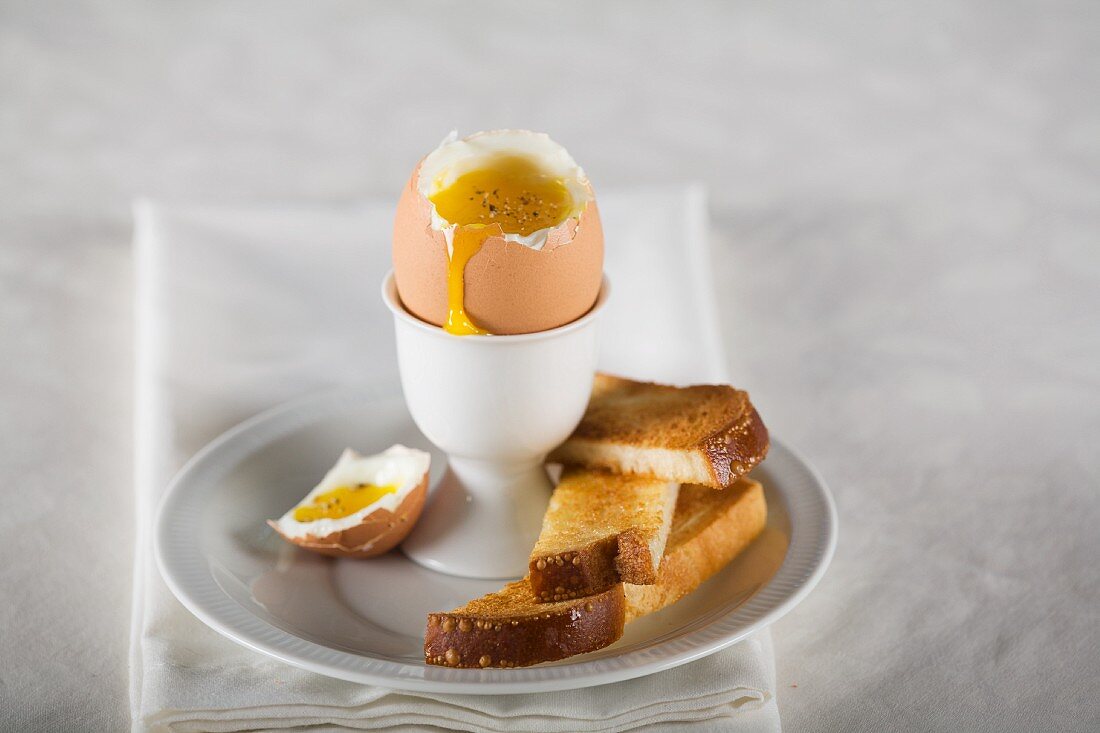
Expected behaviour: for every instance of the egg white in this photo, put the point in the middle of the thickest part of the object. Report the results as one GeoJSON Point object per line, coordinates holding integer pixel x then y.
{"type": "Point", "coordinates": [398, 465]}
{"type": "Point", "coordinates": [455, 157]}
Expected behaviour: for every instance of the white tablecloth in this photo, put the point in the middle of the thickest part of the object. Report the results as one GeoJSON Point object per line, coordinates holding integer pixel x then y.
{"type": "Point", "coordinates": [906, 198]}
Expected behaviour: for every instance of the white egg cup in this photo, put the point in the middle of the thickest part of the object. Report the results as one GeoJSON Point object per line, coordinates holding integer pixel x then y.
{"type": "Point", "coordinates": [496, 405]}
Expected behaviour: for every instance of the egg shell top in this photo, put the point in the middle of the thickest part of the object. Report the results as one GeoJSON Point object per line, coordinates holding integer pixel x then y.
{"type": "Point", "coordinates": [509, 288]}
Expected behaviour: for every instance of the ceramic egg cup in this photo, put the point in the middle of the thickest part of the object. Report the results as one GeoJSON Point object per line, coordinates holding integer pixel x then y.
{"type": "Point", "coordinates": [496, 405]}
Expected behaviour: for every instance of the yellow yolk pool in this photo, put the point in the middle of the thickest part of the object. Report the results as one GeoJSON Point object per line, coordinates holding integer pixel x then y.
{"type": "Point", "coordinates": [513, 192]}
{"type": "Point", "coordinates": [341, 502]}
{"type": "Point", "coordinates": [510, 196]}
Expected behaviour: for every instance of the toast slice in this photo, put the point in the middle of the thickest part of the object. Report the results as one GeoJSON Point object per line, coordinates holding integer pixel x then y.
{"type": "Point", "coordinates": [601, 529]}
{"type": "Point", "coordinates": [510, 628]}
{"type": "Point", "coordinates": [705, 434]}
{"type": "Point", "coordinates": [710, 528]}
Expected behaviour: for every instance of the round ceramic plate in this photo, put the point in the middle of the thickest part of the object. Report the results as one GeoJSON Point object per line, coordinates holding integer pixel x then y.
{"type": "Point", "coordinates": [363, 620]}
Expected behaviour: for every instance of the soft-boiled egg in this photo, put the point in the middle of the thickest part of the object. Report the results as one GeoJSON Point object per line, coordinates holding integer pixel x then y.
{"type": "Point", "coordinates": [498, 233]}
{"type": "Point", "coordinates": [363, 506]}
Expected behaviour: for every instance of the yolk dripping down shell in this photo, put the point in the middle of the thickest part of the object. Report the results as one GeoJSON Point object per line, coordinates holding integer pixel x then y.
{"type": "Point", "coordinates": [507, 195]}
{"type": "Point", "coordinates": [507, 288]}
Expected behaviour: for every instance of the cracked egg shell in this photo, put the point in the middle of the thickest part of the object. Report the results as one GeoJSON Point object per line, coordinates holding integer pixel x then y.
{"type": "Point", "coordinates": [509, 287]}
{"type": "Point", "coordinates": [377, 527]}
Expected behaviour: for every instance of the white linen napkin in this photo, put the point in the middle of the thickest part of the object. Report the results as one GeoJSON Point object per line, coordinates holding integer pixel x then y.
{"type": "Point", "coordinates": [241, 309]}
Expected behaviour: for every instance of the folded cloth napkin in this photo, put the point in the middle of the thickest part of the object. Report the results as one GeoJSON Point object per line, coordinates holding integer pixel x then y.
{"type": "Point", "coordinates": [241, 309]}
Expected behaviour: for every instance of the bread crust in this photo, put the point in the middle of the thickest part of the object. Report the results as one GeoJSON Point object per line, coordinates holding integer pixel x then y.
{"type": "Point", "coordinates": [511, 628]}
{"type": "Point", "coordinates": [587, 570]}
{"type": "Point", "coordinates": [634, 561]}
{"type": "Point", "coordinates": [593, 568]}
{"type": "Point", "coordinates": [737, 447]}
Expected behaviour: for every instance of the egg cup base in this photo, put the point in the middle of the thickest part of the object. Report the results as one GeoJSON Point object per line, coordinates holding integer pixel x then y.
{"type": "Point", "coordinates": [483, 519]}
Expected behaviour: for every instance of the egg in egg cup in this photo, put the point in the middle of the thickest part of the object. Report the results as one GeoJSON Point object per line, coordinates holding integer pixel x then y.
{"type": "Point", "coordinates": [496, 292]}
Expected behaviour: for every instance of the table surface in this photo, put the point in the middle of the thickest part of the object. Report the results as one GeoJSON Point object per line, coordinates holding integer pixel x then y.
{"type": "Point", "coordinates": [906, 206]}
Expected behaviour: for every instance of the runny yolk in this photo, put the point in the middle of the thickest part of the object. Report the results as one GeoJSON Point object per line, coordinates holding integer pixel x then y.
{"type": "Point", "coordinates": [467, 241]}
{"type": "Point", "coordinates": [341, 502]}
{"type": "Point", "coordinates": [512, 195]}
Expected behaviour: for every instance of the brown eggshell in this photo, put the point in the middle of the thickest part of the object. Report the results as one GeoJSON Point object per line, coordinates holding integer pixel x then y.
{"type": "Point", "coordinates": [379, 532]}
{"type": "Point", "coordinates": [509, 288]}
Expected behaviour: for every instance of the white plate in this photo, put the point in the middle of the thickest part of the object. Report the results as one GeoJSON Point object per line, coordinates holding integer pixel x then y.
{"type": "Point", "coordinates": [363, 620]}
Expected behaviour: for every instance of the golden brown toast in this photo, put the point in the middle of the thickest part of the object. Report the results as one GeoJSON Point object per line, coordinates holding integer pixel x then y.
{"type": "Point", "coordinates": [709, 529]}
{"type": "Point", "coordinates": [703, 434]}
{"type": "Point", "coordinates": [601, 529]}
{"type": "Point", "coordinates": [511, 628]}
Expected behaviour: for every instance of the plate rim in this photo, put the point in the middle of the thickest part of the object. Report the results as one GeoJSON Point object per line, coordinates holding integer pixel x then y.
{"type": "Point", "coordinates": [808, 555]}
